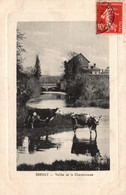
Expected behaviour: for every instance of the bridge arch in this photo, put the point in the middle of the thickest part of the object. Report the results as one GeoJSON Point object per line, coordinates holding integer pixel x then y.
{"type": "Point", "coordinates": [48, 86]}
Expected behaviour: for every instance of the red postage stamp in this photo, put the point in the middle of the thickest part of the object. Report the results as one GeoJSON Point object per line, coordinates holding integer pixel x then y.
{"type": "Point", "coordinates": [109, 17]}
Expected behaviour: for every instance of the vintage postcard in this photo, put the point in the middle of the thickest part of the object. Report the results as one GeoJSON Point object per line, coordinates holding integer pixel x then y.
{"type": "Point", "coordinates": [63, 97]}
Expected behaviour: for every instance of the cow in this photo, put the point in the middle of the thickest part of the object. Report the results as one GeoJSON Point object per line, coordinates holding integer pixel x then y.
{"type": "Point", "coordinates": [85, 120]}
{"type": "Point", "coordinates": [36, 116]}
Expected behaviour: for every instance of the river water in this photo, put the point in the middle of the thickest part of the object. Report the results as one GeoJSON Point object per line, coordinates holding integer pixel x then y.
{"type": "Point", "coordinates": [66, 145]}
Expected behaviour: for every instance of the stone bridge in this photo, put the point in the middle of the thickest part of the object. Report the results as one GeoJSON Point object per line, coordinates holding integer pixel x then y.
{"type": "Point", "coordinates": [48, 86]}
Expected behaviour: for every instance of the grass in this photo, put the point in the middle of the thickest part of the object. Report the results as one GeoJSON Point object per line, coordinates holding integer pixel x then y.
{"type": "Point", "coordinates": [62, 121]}
{"type": "Point", "coordinates": [92, 103]}
{"type": "Point", "coordinates": [69, 165]}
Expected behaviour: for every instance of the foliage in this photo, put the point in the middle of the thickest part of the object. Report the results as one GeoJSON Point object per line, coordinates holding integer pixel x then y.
{"type": "Point", "coordinates": [28, 84]}
{"type": "Point", "coordinates": [34, 87]}
{"type": "Point", "coordinates": [96, 88]}
{"type": "Point", "coordinates": [71, 165]}
{"type": "Point", "coordinates": [37, 70]}
{"type": "Point", "coordinates": [72, 54]}
{"type": "Point", "coordinates": [22, 92]}
{"type": "Point", "coordinates": [74, 87]}
{"type": "Point", "coordinates": [20, 50]}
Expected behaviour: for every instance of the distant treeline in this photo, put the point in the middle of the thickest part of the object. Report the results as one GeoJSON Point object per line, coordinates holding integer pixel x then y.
{"type": "Point", "coordinates": [49, 79]}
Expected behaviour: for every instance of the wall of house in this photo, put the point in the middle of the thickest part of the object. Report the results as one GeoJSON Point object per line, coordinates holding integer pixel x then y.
{"type": "Point", "coordinates": [76, 65]}
{"type": "Point", "coordinates": [95, 72]}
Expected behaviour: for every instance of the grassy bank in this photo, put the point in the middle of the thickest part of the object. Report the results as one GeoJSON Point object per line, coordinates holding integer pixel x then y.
{"type": "Point", "coordinates": [59, 124]}
{"type": "Point", "coordinates": [102, 103]}
{"type": "Point", "coordinates": [72, 165]}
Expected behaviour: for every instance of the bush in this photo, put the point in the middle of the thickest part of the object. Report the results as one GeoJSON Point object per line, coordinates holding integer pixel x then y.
{"type": "Point", "coordinates": [103, 103]}
{"type": "Point", "coordinates": [71, 165]}
{"type": "Point", "coordinates": [78, 103]}
{"type": "Point", "coordinates": [89, 90]}
{"type": "Point", "coordinates": [93, 103]}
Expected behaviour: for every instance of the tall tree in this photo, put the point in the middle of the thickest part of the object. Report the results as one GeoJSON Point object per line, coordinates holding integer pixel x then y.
{"type": "Point", "coordinates": [37, 71]}
{"type": "Point", "coordinates": [20, 50]}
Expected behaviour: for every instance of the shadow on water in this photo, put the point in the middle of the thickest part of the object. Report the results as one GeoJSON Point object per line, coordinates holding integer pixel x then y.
{"type": "Point", "coordinates": [76, 146]}
{"type": "Point", "coordinates": [31, 144]}
{"type": "Point", "coordinates": [84, 146]}
{"type": "Point", "coordinates": [40, 144]}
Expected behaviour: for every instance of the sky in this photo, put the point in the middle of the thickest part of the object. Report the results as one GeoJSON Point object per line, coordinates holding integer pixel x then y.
{"type": "Point", "coordinates": [53, 41]}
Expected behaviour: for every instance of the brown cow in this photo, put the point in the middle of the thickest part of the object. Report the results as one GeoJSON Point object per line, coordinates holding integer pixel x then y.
{"type": "Point", "coordinates": [85, 120]}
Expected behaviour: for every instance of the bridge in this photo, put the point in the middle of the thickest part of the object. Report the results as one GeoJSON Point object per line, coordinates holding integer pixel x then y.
{"type": "Point", "coordinates": [48, 86]}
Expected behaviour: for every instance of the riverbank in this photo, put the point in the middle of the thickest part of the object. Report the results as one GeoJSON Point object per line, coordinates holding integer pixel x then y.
{"type": "Point", "coordinates": [59, 124]}
{"type": "Point", "coordinates": [95, 164]}
{"type": "Point", "coordinates": [101, 103]}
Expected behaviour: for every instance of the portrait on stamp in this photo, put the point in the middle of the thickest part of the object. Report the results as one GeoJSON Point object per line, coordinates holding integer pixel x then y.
{"type": "Point", "coordinates": [109, 17]}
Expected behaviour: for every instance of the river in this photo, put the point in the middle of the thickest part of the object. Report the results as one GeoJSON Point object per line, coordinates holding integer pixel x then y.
{"type": "Point", "coordinates": [65, 145]}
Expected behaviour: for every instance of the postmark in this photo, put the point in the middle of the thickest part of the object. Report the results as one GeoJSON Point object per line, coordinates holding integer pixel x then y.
{"type": "Point", "coordinates": [109, 17]}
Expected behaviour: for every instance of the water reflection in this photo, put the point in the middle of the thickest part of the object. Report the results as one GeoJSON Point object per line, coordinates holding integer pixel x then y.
{"type": "Point", "coordinates": [32, 144]}
{"type": "Point", "coordinates": [24, 143]}
{"type": "Point", "coordinates": [40, 144]}
{"type": "Point", "coordinates": [84, 146]}
{"type": "Point", "coordinates": [48, 100]}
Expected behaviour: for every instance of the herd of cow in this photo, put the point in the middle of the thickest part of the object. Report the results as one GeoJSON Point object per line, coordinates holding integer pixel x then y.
{"type": "Point", "coordinates": [35, 116]}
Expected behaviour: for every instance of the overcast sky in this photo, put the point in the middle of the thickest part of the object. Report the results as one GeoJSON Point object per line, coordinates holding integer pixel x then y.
{"type": "Point", "coordinates": [52, 41]}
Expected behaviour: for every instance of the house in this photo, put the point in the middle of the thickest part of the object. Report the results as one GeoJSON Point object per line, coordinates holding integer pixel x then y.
{"type": "Point", "coordinates": [105, 72]}
{"type": "Point", "coordinates": [80, 64]}
{"type": "Point", "coordinates": [95, 70]}
{"type": "Point", "coordinates": [77, 64]}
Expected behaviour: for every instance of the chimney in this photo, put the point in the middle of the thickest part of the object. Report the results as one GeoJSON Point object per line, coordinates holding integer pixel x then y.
{"type": "Point", "coordinates": [94, 65]}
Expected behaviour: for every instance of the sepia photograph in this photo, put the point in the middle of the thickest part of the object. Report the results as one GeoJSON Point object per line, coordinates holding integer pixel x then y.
{"type": "Point", "coordinates": [63, 97]}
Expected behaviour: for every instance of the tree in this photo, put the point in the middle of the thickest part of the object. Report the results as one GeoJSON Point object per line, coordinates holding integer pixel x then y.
{"type": "Point", "coordinates": [20, 50]}
{"type": "Point", "coordinates": [72, 54]}
{"type": "Point", "coordinates": [37, 71]}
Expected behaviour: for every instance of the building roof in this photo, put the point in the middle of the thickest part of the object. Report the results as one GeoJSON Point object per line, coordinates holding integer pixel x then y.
{"type": "Point", "coordinates": [95, 68]}
{"type": "Point", "coordinates": [78, 57]}
{"type": "Point", "coordinates": [81, 55]}
{"type": "Point", "coordinates": [85, 69]}
{"type": "Point", "coordinates": [105, 73]}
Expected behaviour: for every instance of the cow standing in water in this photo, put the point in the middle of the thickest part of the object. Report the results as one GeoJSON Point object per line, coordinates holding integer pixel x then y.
{"type": "Point", "coordinates": [85, 120]}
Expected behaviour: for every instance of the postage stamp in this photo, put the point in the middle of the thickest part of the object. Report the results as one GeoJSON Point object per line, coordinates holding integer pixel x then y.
{"type": "Point", "coordinates": [109, 17]}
